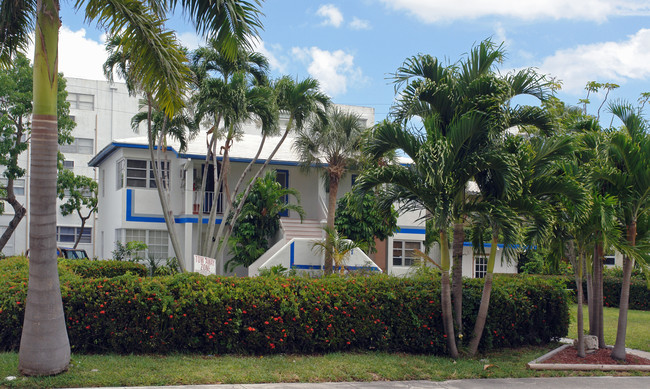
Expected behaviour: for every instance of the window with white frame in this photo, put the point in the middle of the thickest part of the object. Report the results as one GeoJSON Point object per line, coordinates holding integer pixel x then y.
{"type": "Point", "coordinates": [78, 146]}
{"type": "Point", "coordinates": [19, 185]}
{"type": "Point", "coordinates": [480, 267]}
{"type": "Point", "coordinates": [610, 260]}
{"type": "Point", "coordinates": [157, 241]}
{"type": "Point", "coordinates": [69, 234]}
{"type": "Point", "coordinates": [81, 101]}
{"type": "Point", "coordinates": [140, 173]}
{"type": "Point", "coordinates": [403, 254]}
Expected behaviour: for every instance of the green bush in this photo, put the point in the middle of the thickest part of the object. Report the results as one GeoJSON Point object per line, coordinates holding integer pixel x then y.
{"type": "Point", "coordinates": [100, 269]}
{"type": "Point", "coordinates": [639, 292]}
{"type": "Point", "coordinates": [216, 315]}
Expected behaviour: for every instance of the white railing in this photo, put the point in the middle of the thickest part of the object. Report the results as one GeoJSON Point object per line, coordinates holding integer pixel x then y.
{"type": "Point", "coordinates": [208, 202]}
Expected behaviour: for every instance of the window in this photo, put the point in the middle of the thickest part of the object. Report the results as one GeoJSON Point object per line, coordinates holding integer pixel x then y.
{"type": "Point", "coordinates": [78, 146]}
{"type": "Point", "coordinates": [283, 120]}
{"type": "Point", "coordinates": [610, 260]}
{"type": "Point", "coordinates": [403, 252]}
{"type": "Point", "coordinates": [81, 101]}
{"type": "Point", "coordinates": [19, 185]}
{"type": "Point", "coordinates": [140, 174]}
{"type": "Point", "coordinates": [353, 180]}
{"type": "Point", "coordinates": [157, 241]}
{"type": "Point", "coordinates": [69, 234]}
{"type": "Point", "coordinates": [480, 267]}
{"type": "Point", "coordinates": [68, 165]}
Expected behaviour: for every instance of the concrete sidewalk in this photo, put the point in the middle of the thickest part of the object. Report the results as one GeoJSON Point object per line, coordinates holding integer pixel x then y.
{"type": "Point", "coordinates": [555, 383]}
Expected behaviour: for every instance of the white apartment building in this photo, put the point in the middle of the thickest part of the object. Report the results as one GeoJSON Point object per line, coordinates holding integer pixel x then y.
{"type": "Point", "coordinates": [107, 149]}
{"type": "Point", "coordinates": [102, 112]}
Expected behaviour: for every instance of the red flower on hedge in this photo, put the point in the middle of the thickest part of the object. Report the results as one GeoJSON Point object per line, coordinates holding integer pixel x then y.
{"type": "Point", "coordinates": [251, 329]}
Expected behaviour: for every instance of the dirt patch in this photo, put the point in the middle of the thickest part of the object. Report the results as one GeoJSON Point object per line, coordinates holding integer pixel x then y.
{"type": "Point", "coordinates": [601, 357]}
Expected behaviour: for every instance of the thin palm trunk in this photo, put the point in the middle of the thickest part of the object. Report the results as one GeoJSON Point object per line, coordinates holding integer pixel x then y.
{"type": "Point", "coordinates": [445, 297]}
{"type": "Point", "coordinates": [481, 317]}
{"type": "Point", "coordinates": [628, 265]}
{"type": "Point", "coordinates": [598, 294]}
{"type": "Point", "coordinates": [334, 178]}
{"type": "Point", "coordinates": [457, 273]}
{"type": "Point", "coordinates": [225, 231]}
{"type": "Point", "coordinates": [580, 318]}
{"type": "Point", "coordinates": [201, 194]}
{"type": "Point", "coordinates": [167, 212]}
{"type": "Point", "coordinates": [44, 345]}
{"type": "Point", "coordinates": [591, 279]}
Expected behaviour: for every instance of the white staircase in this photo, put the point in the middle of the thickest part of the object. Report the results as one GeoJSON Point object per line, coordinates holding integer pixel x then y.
{"type": "Point", "coordinates": [293, 228]}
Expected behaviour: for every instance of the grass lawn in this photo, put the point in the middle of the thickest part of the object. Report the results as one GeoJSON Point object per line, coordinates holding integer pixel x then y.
{"type": "Point", "coordinates": [133, 370]}
{"type": "Point", "coordinates": [638, 335]}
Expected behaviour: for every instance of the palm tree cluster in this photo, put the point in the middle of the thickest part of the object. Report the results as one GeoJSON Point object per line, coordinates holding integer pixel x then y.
{"type": "Point", "coordinates": [523, 176]}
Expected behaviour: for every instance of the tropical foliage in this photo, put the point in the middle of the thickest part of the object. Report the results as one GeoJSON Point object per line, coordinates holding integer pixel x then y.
{"type": "Point", "coordinates": [259, 219]}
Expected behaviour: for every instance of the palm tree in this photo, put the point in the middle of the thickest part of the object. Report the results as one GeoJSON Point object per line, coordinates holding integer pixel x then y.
{"type": "Point", "coordinates": [160, 67]}
{"type": "Point", "coordinates": [431, 181]}
{"type": "Point", "coordinates": [428, 87]}
{"type": "Point", "coordinates": [300, 101]}
{"type": "Point", "coordinates": [630, 178]}
{"type": "Point", "coordinates": [333, 144]}
{"type": "Point", "coordinates": [336, 247]}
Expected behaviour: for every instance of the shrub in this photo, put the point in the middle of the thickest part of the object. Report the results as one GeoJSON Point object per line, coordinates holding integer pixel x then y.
{"type": "Point", "coordinates": [193, 313]}
{"type": "Point", "coordinates": [639, 292]}
{"type": "Point", "coordinates": [100, 269]}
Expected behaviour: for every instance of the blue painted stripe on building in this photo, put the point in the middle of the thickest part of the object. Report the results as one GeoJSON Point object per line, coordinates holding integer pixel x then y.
{"type": "Point", "coordinates": [130, 217]}
{"type": "Point", "coordinates": [407, 230]}
{"type": "Point", "coordinates": [291, 255]}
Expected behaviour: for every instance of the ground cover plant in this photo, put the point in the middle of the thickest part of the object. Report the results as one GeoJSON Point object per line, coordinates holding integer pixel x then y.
{"type": "Point", "coordinates": [269, 315]}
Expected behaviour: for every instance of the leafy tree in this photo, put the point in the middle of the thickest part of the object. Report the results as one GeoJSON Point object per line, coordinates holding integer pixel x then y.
{"type": "Point", "coordinates": [259, 220]}
{"type": "Point", "coordinates": [360, 218]}
{"type": "Point", "coordinates": [331, 142]}
{"type": "Point", "coordinates": [79, 193]}
{"type": "Point", "coordinates": [157, 63]}
{"type": "Point", "coordinates": [15, 131]}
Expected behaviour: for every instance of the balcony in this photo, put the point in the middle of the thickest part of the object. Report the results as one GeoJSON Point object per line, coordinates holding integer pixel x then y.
{"type": "Point", "coordinates": [208, 203]}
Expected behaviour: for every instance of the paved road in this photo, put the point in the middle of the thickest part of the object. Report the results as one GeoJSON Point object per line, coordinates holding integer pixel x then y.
{"type": "Point", "coordinates": [519, 383]}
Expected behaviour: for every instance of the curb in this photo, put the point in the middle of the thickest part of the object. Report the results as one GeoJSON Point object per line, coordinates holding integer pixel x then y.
{"type": "Point", "coordinates": [538, 364]}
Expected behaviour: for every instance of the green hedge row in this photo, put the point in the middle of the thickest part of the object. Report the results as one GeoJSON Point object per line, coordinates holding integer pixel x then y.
{"type": "Point", "coordinates": [216, 315]}
{"type": "Point", "coordinates": [100, 269]}
{"type": "Point", "coordinates": [639, 292]}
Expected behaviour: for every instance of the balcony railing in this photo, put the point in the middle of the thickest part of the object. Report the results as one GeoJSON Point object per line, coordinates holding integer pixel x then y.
{"type": "Point", "coordinates": [208, 202]}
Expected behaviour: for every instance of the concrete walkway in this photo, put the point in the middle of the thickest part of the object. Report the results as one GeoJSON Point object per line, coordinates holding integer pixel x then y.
{"type": "Point", "coordinates": [519, 383]}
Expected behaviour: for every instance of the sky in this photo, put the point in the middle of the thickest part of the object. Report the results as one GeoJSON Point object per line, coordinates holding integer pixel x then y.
{"type": "Point", "coordinates": [352, 47]}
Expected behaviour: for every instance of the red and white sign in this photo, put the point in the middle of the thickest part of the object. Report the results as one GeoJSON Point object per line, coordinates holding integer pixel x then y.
{"type": "Point", "coordinates": [205, 265]}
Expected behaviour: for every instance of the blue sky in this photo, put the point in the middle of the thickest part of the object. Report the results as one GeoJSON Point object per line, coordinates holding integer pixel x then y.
{"type": "Point", "coordinates": [352, 46]}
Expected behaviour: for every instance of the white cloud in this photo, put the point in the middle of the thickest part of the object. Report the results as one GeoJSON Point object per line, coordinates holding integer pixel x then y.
{"type": "Point", "coordinates": [79, 56]}
{"type": "Point", "coordinates": [500, 35]}
{"type": "Point", "coordinates": [603, 62]}
{"type": "Point", "coordinates": [334, 70]}
{"type": "Point", "coordinates": [332, 15]}
{"type": "Point", "coordinates": [444, 11]}
{"type": "Point", "coordinates": [359, 24]}
{"type": "Point", "coordinates": [190, 40]}
{"type": "Point", "coordinates": [277, 62]}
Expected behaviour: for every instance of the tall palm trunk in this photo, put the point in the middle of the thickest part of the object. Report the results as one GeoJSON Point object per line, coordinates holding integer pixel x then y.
{"type": "Point", "coordinates": [44, 345]}
{"type": "Point", "coordinates": [445, 296]}
{"type": "Point", "coordinates": [457, 273]}
{"type": "Point", "coordinates": [628, 265]}
{"type": "Point", "coordinates": [598, 294]}
{"type": "Point", "coordinates": [334, 178]}
{"type": "Point", "coordinates": [481, 317]}
{"type": "Point", "coordinates": [580, 319]}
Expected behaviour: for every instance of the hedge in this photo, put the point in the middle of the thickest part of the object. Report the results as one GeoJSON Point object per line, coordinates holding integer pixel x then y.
{"type": "Point", "coordinates": [262, 315]}
{"type": "Point", "coordinates": [99, 269]}
{"type": "Point", "coordinates": [639, 292]}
